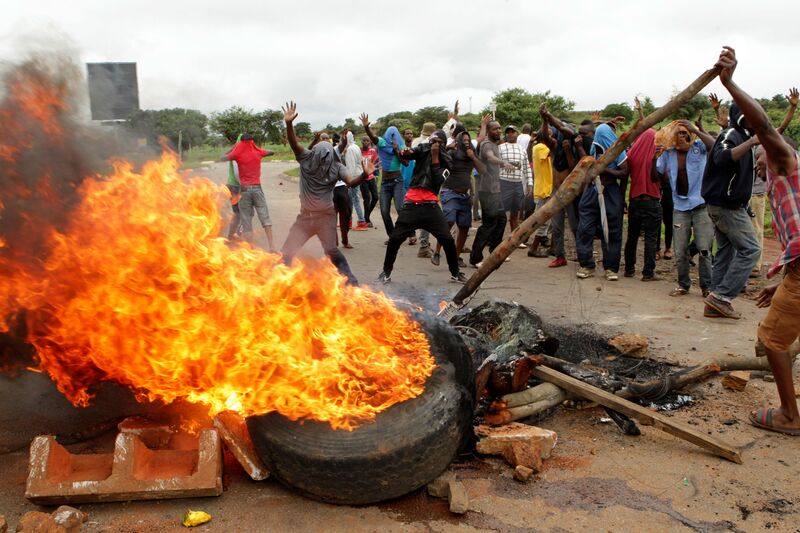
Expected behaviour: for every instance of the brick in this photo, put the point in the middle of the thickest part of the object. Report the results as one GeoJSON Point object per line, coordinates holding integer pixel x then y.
{"type": "Point", "coordinates": [233, 430]}
{"type": "Point", "coordinates": [190, 466]}
{"type": "Point", "coordinates": [459, 500]}
{"type": "Point", "coordinates": [522, 473]}
{"type": "Point", "coordinates": [630, 344]}
{"type": "Point", "coordinates": [518, 444]}
{"type": "Point", "coordinates": [736, 380]}
{"type": "Point", "coordinates": [36, 522]}
{"type": "Point", "coordinates": [69, 518]}
{"type": "Point", "coordinates": [153, 434]}
{"type": "Point", "coordinates": [440, 487]}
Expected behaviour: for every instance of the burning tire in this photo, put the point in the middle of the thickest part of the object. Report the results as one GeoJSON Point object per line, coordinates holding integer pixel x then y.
{"type": "Point", "coordinates": [404, 448]}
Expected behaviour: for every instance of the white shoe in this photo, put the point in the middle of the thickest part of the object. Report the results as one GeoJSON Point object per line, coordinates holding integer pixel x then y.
{"type": "Point", "coordinates": [522, 245]}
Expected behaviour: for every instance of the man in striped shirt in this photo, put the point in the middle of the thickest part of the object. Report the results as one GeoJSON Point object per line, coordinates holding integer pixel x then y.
{"type": "Point", "coordinates": [514, 179]}
{"type": "Point", "coordinates": [782, 324]}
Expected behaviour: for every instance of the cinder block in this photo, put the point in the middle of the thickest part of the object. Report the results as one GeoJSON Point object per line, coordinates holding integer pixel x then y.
{"type": "Point", "coordinates": [233, 430]}
{"type": "Point", "coordinates": [189, 467]}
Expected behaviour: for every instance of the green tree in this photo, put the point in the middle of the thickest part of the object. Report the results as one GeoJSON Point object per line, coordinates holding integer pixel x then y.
{"type": "Point", "coordinates": [273, 129]}
{"type": "Point", "coordinates": [154, 123]}
{"type": "Point", "coordinates": [437, 114]}
{"type": "Point", "coordinates": [235, 120]}
{"type": "Point", "coordinates": [518, 106]}
{"type": "Point", "coordinates": [618, 110]}
{"type": "Point", "coordinates": [303, 129]}
{"type": "Point", "coordinates": [699, 103]}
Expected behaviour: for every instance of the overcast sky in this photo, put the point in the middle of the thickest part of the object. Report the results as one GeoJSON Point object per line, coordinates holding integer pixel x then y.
{"type": "Point", "coordinates": [337, 59]}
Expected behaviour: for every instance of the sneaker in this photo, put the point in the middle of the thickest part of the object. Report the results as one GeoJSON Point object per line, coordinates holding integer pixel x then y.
{"type": "Point", "coordinates": [722, 307]}
{"type": "Point", "coordinates": [460, 278]}
{"type": "Point", "coordinates": [361, 226]}
{"type": "Point", "coordinates": [710, 312]}
{"type": "Point", "coordinates": [611, 275]}
{"type": "Point", "coordinates": [461, 263]}
{"type": "Point", "coordinates": [651, 277]}
{"type": "Point", "coordinates": [538, 252]}
{"type": "Point", "coordinates": [436, 259]}
{"type": "Point", "coordinates": [558, 262]}
{"type": "Point", "coordinates": [585, 272]}
{"type": "Point", "coordinates": [522, 245]}
{"type": "Point", "coordinates": [424, 253]}
{"type": "Point", "coordinates": [370, 225]}
{"type": "Point", "coordinates": [476, 265]}
{"type": "Point", "coordinates": [629, 273]}
{"type": "Point", "coordinates": [507, 260]}
{"type": "Point", "coordinates": [384, 277]}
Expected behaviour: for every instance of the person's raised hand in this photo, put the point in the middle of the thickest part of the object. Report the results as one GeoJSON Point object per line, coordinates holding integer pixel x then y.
{"type": "Point", "coordinates": [486, 119]}
{"type": "Point", "coordinates": [368, 166]}
{"type": "Point", "coordinates": [659, 151]}
{"type": "Point", "coordinates": [794, 97]}
{"type": "Point", "coordinates": [578, 139]}
{"type": "Point", "coordinates": [727, 62]}
{"type": "Point", "coordinates": [764, 298]}
{"type": "Point", "coordinates": [543, 110]}
{"type": "Point", "coordinates": [596, 117]}
{"type": "Point", "coordinates": [619, 119]}
{"type": "Point", "coordinates": [435, 149]}
{"type": "Point", "coordinates": [565, 144]}
{"type": "Point", "coordinates": [317, 135]}
{"type": "Point", "coordinates": [699, 121]}
{"type": "Point", "coordinates": [289, 112]}
{"type": "Point", "coordinates": [687, 124]}
{"type": "Point", "coordinates": [714, 101]}
{"type": "Point", "coordinates": [364, 119]}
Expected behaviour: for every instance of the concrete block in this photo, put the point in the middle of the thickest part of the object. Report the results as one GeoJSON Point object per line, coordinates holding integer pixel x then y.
{"type": "Point", "coordinates": [154, 435]}
{"type": "Point", "coordinates": [69, 518]}
{"type": "Point", "coordinates": [518, 444]}
{"type": "Point", "coordinates": [189, 467]}
{"type": "Point", "coordinates": [459, 500]}
{"type": "Point", "coordinates": [233, 430]}
{"type": "Point", "coordinates": [440, 487]}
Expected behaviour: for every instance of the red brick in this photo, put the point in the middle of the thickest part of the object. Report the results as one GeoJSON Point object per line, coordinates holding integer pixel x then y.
{"type": "Point", "coordinates": [518, 444]}
{"type": "Point", "coordinates": [132, 472]}
{"type": "Point", "coordinates": [153, 434]}
{"type": "Point", "coordinates": [233, 430]}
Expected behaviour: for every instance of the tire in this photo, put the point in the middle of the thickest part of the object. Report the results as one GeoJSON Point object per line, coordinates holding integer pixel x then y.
{"type": "Point", "coordinates": [404, 448]}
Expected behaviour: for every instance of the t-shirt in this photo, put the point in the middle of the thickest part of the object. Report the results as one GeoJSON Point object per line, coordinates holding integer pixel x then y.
{"type": "Point", "coordinates": [542, 171]}
{"type": "Point", "coordinates": [387, 150]}
{"type": "Point", "coordinates": [371, 155]}
{"type": "Point", "coordinates": [316, 187]}
{"type": "Point", "coordinates": [248, 157]}
{"type": "Point", "coordinates": [522, 140]}
{"type": "Point", "coordinates": [667, 164]}
{"type": "Point", "coordinates": [489, 180]}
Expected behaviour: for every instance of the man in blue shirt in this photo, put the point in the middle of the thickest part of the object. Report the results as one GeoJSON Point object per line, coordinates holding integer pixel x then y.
{"type": "Point", "coordinates": [684, 166]}
{"type": "Point", "coordinates": [392, 188]}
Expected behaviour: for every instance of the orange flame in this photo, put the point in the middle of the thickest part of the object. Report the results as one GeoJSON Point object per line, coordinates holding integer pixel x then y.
{"type": "Point", "coordinates": [139, 289]}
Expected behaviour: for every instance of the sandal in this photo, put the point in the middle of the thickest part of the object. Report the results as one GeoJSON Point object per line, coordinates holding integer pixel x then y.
{"type": "Point", "coordinates": [762, 418]}
{"type": "Point", "coordinates": [658, 255]}
{"type": "Point", "coordinates": [667, 254]}
{"type": "Point", "coordinates": [679, 291]}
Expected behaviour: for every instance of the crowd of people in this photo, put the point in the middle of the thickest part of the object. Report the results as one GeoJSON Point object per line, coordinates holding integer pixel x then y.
{"type": "Point", "coordinates": [706, 189]}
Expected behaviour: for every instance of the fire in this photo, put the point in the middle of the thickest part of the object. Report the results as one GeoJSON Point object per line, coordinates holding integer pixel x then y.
{"type": "Point", "coordinates": [138, 288]}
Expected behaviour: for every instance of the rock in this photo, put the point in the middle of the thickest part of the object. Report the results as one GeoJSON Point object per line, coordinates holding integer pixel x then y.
{"type": "Point", "coordinates": [518, 444]}
{"type": "Point", "coordinates": [459, 500]}
{"type": "Point", "coordinates": [736, 380]}
{"type": "Point", "coordinates": [630, 344]}
{"type": "Point", "coordinates": [70, 518]}
{"type": "Point", "coordinates": [522, 473]}
{"type": "Point", "coordinates": [3, 524]}
{"type": "Point", "coordinates": [36, 522]}
{"type": "Point", "coordinates": [440, 487]}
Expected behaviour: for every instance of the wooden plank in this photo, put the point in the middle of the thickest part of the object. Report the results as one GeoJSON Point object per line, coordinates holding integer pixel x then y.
{"type": "Point", "coordinates": [642, 414]}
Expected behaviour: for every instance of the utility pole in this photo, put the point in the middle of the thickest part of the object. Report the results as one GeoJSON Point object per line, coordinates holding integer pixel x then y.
{"type": "Point", "coordinates": [470, 104]}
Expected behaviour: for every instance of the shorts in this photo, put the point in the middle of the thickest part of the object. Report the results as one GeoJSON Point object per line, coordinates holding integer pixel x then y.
{"type": "Point", "coordinates": [512, 195]}
{"type": "Point", "coordinates": [781, 326]}
{"type": "Point", "coordinates": [456, 208]}
{"type": "Point", "coordinates": [253, 200]}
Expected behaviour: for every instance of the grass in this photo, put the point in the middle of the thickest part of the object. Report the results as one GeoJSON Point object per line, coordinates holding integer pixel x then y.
{"type": "Point", "coordinates": [194, 157]}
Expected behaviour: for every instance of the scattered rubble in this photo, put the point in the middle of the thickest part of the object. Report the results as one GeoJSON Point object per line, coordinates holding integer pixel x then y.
{"type": "Point", "coordinates": [69, 518]}
{"type": "Point", "coordinates": [38, 522]}
{"type": "Point", "coordinates": [630, 344]}
{"type": "Point", "coordinates": [522, 473]}
{"type": "Point", "coordinates": [518, 444]}
{"type": "Point", "coordinates": [440, 487]}
{"type": "Point", "coordinates": [3, 524]}
{"type": "Point", "coordinates": [458, 498]}
{"type": "Point", "coordinates": [736, 380]}
{"type": "Point", "coordinates": [233, 430]}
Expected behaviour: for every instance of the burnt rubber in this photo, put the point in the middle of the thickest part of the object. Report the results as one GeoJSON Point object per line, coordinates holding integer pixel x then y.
{"type": "Point", "coordinates": [404, 448]}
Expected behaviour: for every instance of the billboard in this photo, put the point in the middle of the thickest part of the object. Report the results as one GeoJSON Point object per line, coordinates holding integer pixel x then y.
{"type": "Point", "coordinates": [113, 90]}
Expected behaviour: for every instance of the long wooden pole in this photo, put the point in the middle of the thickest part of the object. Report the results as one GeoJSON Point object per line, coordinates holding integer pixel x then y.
{"type": "Point", "coordinates": [583, 174]}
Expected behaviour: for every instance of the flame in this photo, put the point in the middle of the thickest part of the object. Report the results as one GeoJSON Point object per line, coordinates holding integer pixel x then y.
{"type": "Point", "coordinates": [138, 288]}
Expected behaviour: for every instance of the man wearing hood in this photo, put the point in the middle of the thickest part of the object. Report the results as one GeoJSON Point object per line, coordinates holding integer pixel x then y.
{"type": "Point", "coordinates": [247, 157]}
{"type": "Point", "coordinates": [421, 208]}
{"type": "Point", "coordinates": [727, 187]}
{"type": "Point", "coordinates": [388, 147]}
{"type": "Point", "coordinates": [320, 169]}
{"type": "Point", "coordinates": [590, 213]}
{"type": "Point", "coordinates": [352, 160]}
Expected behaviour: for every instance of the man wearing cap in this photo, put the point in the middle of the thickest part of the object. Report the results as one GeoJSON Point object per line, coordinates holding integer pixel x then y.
{"type": "Point", "coordinates": [516, 178]}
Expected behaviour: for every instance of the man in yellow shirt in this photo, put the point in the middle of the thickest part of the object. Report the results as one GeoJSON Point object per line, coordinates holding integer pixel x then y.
{"type": "Point", "coordinates": [542, 184]}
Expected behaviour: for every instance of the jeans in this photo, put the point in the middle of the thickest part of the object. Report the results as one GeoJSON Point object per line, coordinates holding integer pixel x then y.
{"type": "Point", "coordinates": [253, 200]}
{"type": "Point", "coordinates": [344, 208]}
{"type": "Point", "coordinates": [425, 239]}
{"type": "Point", "coordinates": [698, 223]}
{"type": "Point", "coordinates": [369, 191]}
{"type": "Point", "coordinates": [493, 223]}
{"type": "Point", "coordinates": [355, 199]}
{"type": "Point", "coordinates": [428, 216]}
{"type": "Point", "coordinates": [737, 250]}
{"type": "Point", "coordinates": [391, 188]}
{"type": "Point", "coordinates": [643, 214]}
{"type": "Point", "coordinates": [323, 225]}
{"type": "Point", "coordinates": [557, 225]}
{"type": "Point", "coordinates": [543, 229]}
{"type": "Point", "coordinates": [667, 207]}
{"type": "Point", "coordinates": [758, 206]}
{"type": "Point", "coordinates": [589, 224]}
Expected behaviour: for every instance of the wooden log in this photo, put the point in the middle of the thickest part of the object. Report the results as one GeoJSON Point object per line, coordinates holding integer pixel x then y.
{"type": "Point", "coordinates": [523, 411]}
{"type": "Point", "coordinates": [642, 414]}
{"type": "Point", "coordinates": [584, 173]}
{"type": "Point", "coordinates": [534, 394]}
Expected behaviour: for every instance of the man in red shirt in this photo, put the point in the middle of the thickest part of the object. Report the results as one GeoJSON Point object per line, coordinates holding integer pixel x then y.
{"type": "Point", "coordinates": [369, 187]}
{"type": "Point", "coordinates": [421, 207]}
{"type": "Point", "coordinates": [248, 158]}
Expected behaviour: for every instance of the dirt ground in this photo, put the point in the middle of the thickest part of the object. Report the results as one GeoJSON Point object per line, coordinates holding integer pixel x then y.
{"type": "Point", "coordinates": [597, 478]}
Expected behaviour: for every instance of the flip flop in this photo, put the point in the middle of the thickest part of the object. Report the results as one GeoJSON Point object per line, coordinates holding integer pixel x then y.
{"type": "Point", "coordinates": [762, 418]}
{"type": "Point", "coordinates": [679, 291]}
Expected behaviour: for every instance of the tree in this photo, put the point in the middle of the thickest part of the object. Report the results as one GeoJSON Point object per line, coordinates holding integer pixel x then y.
{"type": "Point", "coordinates": [272, 127]}
{"type": "Point", "coordinates": [618, 110]}
{"type": "Point", "coordinates": [517, 106]}
{"type": "Point", "coordinates": [154, 123]}
{"type": "Point", "coordinates": [693, 107]}
{"type": "Point", "coordinates": [303, 129]}
{"type": "Point", "coordinates": [235, 120]}
{"type": "Point", "coordinates": [436, 114]}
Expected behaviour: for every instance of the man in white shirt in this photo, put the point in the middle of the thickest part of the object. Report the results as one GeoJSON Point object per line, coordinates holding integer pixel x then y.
{"type": "Point", "coordinates": [516, 178]}
{"type": "Point", "coordinates": [524, 138]}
